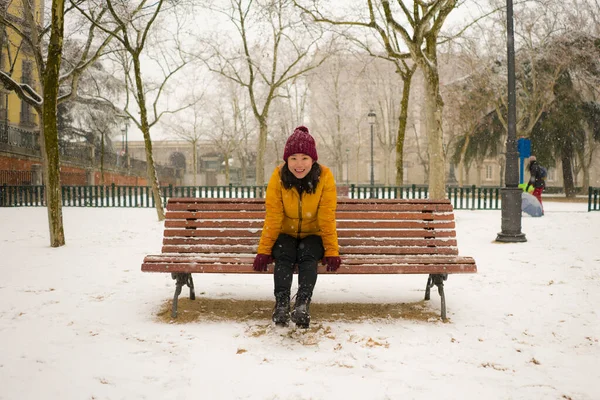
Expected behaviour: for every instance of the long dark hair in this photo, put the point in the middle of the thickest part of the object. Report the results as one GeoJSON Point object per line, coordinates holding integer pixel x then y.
{"type": "Point", "coordinates": [307, 184]}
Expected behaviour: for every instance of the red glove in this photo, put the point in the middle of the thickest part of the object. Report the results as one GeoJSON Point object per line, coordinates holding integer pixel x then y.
{"type": "Point", "coordinates": [333, 263]}
{"type": "Point", "coordinates": [261, 261]}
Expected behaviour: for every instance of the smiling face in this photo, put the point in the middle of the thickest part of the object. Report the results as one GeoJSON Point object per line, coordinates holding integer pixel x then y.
{"type": "Point", "coordinates": [299, 164]}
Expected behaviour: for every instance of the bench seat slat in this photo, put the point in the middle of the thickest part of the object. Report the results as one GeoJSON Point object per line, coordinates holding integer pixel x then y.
{"type": "Point", "coordinates": [350, 259]}
{"type": "Point", "coordinates": [354, 269]}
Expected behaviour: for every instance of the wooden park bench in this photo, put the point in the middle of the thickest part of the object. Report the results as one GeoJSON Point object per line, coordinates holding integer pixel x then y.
{"type": "Point", "coordinates": [375, 237]}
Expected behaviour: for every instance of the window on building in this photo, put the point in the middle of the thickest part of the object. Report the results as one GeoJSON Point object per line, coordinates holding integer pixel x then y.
{"type": "Point", "coordinates": [3, 113]}
{"type": "Point", "coordinates": [489, 170]}
{"type": "Point", "coordinates": [26, 111]}
{"type": "Point", "coordinates": [3, 94]}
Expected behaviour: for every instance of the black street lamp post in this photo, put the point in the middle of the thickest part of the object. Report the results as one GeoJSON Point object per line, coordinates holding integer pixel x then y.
{"type": "Point", "coordinates": [511, 193]}
{"type": "Point", "coordinates": [125, 142]}
{"type": "Point", "coordinates": [372, 116]}
{"type": "Point", "coordinates": [347, 166]}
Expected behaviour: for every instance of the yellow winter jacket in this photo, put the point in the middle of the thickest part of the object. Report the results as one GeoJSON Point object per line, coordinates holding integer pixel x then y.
{"type": "Point", "coordinates": [311, 214]}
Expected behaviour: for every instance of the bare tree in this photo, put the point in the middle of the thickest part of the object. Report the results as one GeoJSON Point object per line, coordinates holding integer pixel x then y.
{"type": "Point", "coordinates": [135, 22]}
{"type": "Point", "coordinates": [48, 58]}
{"type": "Point", "coordinates": [276, 47]}
{"type": "Point", "coordinates": [416, 28]}
{"type": "Point", "coordinates": [335, 106]}
{"type": "Point", "coordinates": [92, 116]}
{"type": "Point", "coordinates": [189, 125]}
{"type": "Point", "coordinates": [227, 127]}
{"type": "Point", "coordinates": [552, 41]}
{"type": "Point", "coordinates": [390, 103]}
{"type": "Point", "coordinates": [289, 111]}
{"type": "Point", "coordinates": [386, 39]}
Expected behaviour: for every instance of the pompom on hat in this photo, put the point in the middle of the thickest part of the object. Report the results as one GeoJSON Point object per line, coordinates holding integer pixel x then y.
{"type": "Point", "coordinates": [300, 142]}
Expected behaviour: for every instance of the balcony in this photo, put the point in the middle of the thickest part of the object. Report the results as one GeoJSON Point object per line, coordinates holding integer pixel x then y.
{"type": "Point", "coordinates": [12, 137]}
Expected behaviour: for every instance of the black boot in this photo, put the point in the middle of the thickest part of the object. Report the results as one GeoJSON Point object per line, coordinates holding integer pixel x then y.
{"type": "Point", "coordinates": [281, 314]}
{"type": "Point", "coordinates": [301, 314]}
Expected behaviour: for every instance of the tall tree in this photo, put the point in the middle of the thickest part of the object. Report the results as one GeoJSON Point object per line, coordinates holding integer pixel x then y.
{"type": "Point", "coordinates": [48, 61]}
{"type": "Point", "coordinates": [414, 27]}
{"type": "Point", "coordinates": [334, 106]}
{"type": "Point", "coordinates": [135, 21]}
{"type": "Point", "coordinates": [190, 126]}
{"type": "Point", "coordinates": [272, 47]}
{"type": "Point", "coordinates": [548, 97]}
{"type": "Point", "coordinates": [561, 131]}
{"type": "Point", "coordinates": [387, 39]}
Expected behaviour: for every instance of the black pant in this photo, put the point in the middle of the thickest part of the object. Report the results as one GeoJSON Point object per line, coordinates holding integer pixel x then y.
{"type": "Point", "coordinates": [306, 253]}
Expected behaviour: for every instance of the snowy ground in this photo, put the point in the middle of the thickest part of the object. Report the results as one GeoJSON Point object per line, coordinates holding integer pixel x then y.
{"type": "Point", "coordinates": [78, 322]}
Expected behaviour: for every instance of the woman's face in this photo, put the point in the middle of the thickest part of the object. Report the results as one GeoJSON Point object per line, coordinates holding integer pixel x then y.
{"type": "Point", "coordinates": [299, 164]}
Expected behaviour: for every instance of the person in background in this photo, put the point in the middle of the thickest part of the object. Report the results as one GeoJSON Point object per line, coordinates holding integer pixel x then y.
{"type": "Point", "coordinates": [537, 179]}
{"type": "Point", "coordinates": [299, 227]}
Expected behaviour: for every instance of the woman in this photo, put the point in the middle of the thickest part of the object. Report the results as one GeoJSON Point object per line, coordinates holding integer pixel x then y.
{"type": "Point", "coordinates": [299, 226]}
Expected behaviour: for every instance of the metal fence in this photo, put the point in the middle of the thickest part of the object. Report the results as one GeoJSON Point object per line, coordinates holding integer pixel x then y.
{"type": "Point", "coordinates": [118, 196]}
{"type": "Point", "coordinates": [141, 196]}
{"type": "Point", "coordinates": [594, 199]}
{"type": "Point", "coordinates": [462, 198]}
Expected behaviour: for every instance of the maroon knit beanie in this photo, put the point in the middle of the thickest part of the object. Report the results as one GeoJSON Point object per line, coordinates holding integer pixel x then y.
{"type": "Point", "coordinates": [300, 142]}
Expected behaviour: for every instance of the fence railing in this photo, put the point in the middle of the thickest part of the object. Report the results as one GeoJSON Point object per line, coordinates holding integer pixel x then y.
{"type": "Point", "coordinates": [462, 198]}
{"type": "Point", "coordinates": [118, 196]}
{"type": "Point", "coordinates": [594, 199]}
{"type": "Point", "coordinates": [141, 196]}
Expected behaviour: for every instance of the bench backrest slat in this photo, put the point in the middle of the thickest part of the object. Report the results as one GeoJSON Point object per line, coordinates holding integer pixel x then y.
{"type": "Point", "coordinates": [352, 233]}
{"type": "Point", "coordinates": [340, 215]}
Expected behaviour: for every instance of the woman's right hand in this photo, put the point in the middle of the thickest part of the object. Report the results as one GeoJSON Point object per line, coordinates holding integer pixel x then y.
{"type": "Point", "coordinates": [261, 261]}
{"type": "Point", "coordinates": [333, 263]}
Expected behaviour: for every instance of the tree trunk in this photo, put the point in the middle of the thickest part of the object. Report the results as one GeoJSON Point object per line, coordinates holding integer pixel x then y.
{"type": "Point", "coordinates": [147, 141]}
{"type": "Point", "coordinates": [435, 146]}
{"type": "Point", "coordinates": [51, 161]}
{"type": "Point", "coordinates": [102, 159]}
{"type": "Point", "coordinates": [227, 169]}
{"type": "Point", "coordinates": [260, 153]}
{"type": "Point", "coordinates": [195, 161]}
{"type": "Point", "coordinates": [567, 173]}
{"type": "Point", "coordinates": [402, 123]}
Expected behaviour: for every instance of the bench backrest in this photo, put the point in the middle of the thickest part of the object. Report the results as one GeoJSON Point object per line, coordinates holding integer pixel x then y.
{"type": "Point", "coordinates": [365, 227]}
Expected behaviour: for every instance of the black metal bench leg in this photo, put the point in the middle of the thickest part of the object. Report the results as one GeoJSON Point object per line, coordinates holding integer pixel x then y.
{"type": "Point", "coordinates": [191, 286]}
{"type": "Point", "coordinates": [180, 280]}
{"type": "Point", "coordinates": [437, 280]}
{"type": "Point", "coordinates": [428, 288]}
{"type": "Point", "coordinates": [440, 285]}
